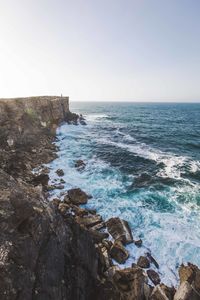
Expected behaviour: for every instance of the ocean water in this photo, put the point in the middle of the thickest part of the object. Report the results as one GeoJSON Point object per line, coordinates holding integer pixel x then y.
{"type": "Point", "coordinates": [143, 165]}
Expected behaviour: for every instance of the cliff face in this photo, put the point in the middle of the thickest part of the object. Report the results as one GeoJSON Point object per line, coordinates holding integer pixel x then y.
{"type": "Point", "coordinates": [42, 255]}
{"type": "Point", "coordinates": [28, 124]}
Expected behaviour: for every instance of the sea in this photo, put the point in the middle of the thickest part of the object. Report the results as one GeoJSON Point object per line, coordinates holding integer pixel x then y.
{"type": "Point", "coordinates": [142, 165]}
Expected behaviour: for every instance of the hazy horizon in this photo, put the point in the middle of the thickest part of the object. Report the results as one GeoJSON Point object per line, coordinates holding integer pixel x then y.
{"type": "Point", "coordinates": [140, 51]}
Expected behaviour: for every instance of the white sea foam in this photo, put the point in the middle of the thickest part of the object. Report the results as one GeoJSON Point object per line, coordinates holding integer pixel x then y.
{"type": "Point", "coordinates": [95, 117]}
{"type": "Point", "coordinates": [172, 163]}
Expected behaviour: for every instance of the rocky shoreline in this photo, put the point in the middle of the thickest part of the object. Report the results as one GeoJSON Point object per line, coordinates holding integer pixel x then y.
{"type": "Point", "coordinates": [57, 249]}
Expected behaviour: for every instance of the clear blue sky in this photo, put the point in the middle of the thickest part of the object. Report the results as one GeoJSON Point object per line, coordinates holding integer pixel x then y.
{"type": "Point", "coordinates": [101, 49]}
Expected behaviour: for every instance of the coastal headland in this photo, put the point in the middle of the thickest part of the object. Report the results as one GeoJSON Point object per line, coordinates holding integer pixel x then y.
{"type": "Point", "coordinates": [57, 249]}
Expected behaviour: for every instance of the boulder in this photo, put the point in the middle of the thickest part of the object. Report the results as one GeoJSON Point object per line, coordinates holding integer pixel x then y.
{"type": "Point", "coordinates": [119, 253]}
{"type": "Point", "coordinates": [119, 229]}
{"type": "Point", "coordinates": [153, 276]}
{"type": "Point", "coordinates": [130, 283]}
{"type": "Point", "coordinates": [143, 262]}
{"type": "Point", "coordinates": [89, 221]}
{"type": "Point", "coordinates": [186, 292]}
{"type": "Point", "coordinates": [77, 196]}
{"type": "Point", "coordinates": [60, 172]}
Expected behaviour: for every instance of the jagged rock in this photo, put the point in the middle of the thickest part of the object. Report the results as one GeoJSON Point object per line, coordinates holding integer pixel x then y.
{"type": "Point", "coordinates": [186, 292]}
{"type": "Point", "coordinates": [80, 164]}
{"type": "Point", "coordinates": [154, 277]}
{"type": "Point", "coordinates": [138, 243]}
{"type": "Point", "coordinates": [78, 211]}
{"type": "Point", "coordinates": [158, 294]}
{"type": "Point", "coordinates": [147, 291]}
{"type": "Point", "coordinates": [98, 226]}
{"type": "Point", "coordinates": [120, 230]}
{"type": "Point", "coordinates": [118, 252]}
{"type": "Point", "coordinates": [60, 172]}
{"type": "Point", "coordinates": [55, 187]}
{"type": "Point", "coordinates": [169, 291]}
{"type": "Point", "coordinates": [190, 273]}
{"type": "Point", "coordinates": [108, 244]}
{"type": "Point", "coordinates": [111, 271]}
{"type": "Point", "coordinates": [63, 208]}
{"type": "Point", "coordinates": [130, 283]}
{"type": "Point", "coordinates": [42, 179]}
{"type": "Point", "coordinates": [77, 196]}
{"type": "Point", "coordinates": [186, 273]}
{"type": "Point", "coordinates": [152, 260]}
{"type": "Point", "coordinates": [98, 236]}
{"type": "Point", "coordinates": [143, 262]}
{"type": "Point", "coordinates": [89, 221]}
{"type": "Point", "coordinates": [105, 260]}
{"type": "Point", "coordinates": [56, 202]}
{"type": "Point", "coordinates": [92, 211]}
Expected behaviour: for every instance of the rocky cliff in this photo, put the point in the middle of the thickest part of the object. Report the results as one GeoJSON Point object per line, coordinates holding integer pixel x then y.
{"type": "Point", "coordinates": [55, 250]}
{"type": "Point", "coordinates": [42, 256]}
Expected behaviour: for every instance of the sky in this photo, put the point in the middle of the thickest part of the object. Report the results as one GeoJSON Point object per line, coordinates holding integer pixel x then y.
{"type": "Point", "coordinates": [101, 50]}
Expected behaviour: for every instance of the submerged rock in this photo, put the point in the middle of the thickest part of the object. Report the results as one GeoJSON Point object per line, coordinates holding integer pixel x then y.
{"type": "Point", "coordinates": [80, 164]}
{"type": "Point", "coordinates": [60, 172]}
{"type": "Point", "coordinates": [138, 243]}
{"type": "Point", "coordinates": [120, 230]}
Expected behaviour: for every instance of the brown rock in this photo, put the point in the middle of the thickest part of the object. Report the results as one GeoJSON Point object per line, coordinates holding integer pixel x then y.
{"type": "Point", "coordinates": [111, 271]}
{"type": "Point", "coordinates": [89, 221]}
{"type": "Point", "coordinates": [60, 172]}
{"type": "Point", "coordinates": [186, 273]}
{"type": "Point", "coordinates": [169, 291]}
{"type": "Point", "coordinates": [130, 283]}
{"type": "Point", "coordinates": [77, 196]}
{"type": "Point", "coordinates": [63, 208]}
{"type": "Point", "coordinates": [158, 294]}
{"type": "Point", "coordinates": [154, 277]}
{"type": "Point", "coordinates": [143, 262]}
{"type": "Point", "coordinates": [98, 236]}
{"type": "Point", "coordinates": [119, 253]}
{"type": "Point", "coordinates": [186, 292]}
{"type": "Point", "coordinates": [42, 179]}
{"type": "Point", "coordinates": [120, 230]}
{"type": "Point", "coordinates": [105, 260]}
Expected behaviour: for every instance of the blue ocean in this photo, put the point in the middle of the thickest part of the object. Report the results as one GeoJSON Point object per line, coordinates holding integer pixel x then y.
{"type": "Point", "coordinates": [143, 165]}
